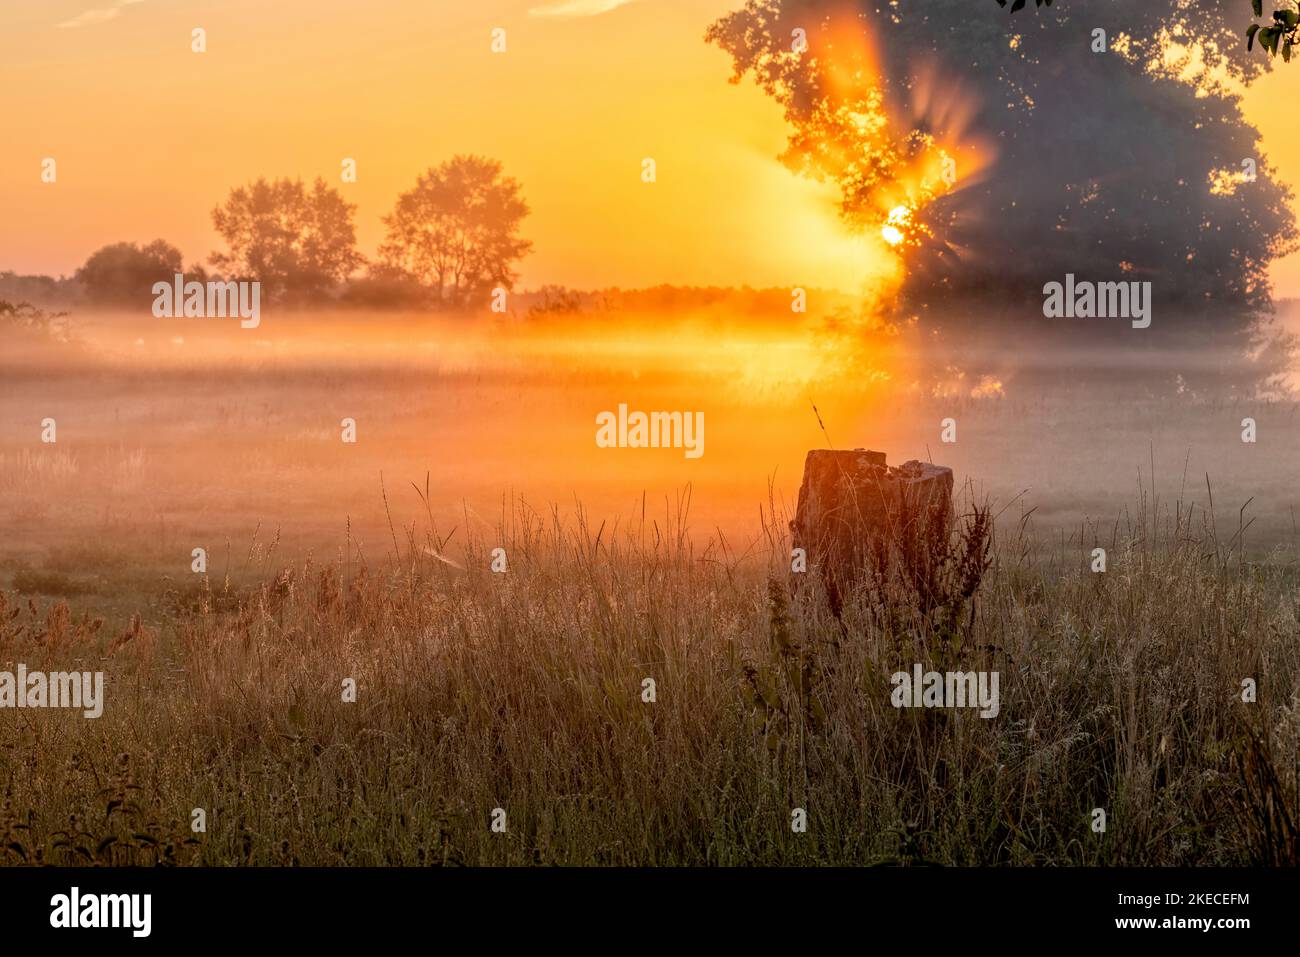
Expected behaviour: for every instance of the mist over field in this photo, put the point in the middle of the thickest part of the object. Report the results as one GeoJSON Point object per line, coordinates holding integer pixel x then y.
{"type": "Point", "coordinates": [175, 433]}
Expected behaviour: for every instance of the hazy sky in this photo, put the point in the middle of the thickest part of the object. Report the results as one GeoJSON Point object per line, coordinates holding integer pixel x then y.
{"type": "Point", "coordinates": [149, 136]}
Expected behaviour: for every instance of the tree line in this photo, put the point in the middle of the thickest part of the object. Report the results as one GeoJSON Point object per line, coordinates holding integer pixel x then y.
{"type": "Point", "coordinates": [450, 240]}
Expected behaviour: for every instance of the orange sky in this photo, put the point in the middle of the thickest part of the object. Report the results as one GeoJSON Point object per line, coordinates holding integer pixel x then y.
{"type": "Point", "coordinates": [149, 136]}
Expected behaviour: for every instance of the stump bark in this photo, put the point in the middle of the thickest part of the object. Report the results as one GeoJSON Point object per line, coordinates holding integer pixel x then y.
{"type": "Point", "coordinates": [855, 512]}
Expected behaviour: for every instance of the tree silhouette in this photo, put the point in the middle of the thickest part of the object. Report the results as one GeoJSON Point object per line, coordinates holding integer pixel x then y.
{"type": "Point", "coordinates": [297, 243]}
{"type": "Point", "coordinates": [123, 273]}
{"type": "Point", "coordinates": [456, 231]}
{"type": "Point", "coordinates": [1111, 165]}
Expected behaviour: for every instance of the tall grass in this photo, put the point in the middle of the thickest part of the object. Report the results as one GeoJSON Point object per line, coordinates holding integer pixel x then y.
{"type": "Point", "coordinates": [523, 690]}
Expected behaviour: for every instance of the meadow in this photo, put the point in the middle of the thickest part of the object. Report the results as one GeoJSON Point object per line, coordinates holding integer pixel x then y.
{"type": "Point", "coordinates": [525, 690]}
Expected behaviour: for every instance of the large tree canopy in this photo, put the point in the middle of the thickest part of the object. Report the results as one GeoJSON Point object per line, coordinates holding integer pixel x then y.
{"type": "Point", "coordinates": [1123, 164]}
{"type": "Point", "coordinates": [298, 242]}
{"type": "Point", "coordinates": [457, 231]}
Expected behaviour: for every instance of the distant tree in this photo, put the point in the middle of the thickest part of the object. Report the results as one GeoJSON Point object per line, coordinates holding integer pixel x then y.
{"type": "Point", "coordinates": [40, 290]}
{"type": "Point", "coordinates": [384, 288]}
{"type": "Point", "coordinates": [556, 301]}
{"type": "Point", "coordinates": [298, 243]}
{"type": "Point", "coordinates": [123, 273]}
{"type": "Point", "coordinates": [456, 231]}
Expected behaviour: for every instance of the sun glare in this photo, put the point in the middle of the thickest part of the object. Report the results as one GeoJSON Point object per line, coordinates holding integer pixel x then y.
{"type": "Point", "coordinates": [896, 149]}
{"type": "Point", "coordinates": [895, 223]}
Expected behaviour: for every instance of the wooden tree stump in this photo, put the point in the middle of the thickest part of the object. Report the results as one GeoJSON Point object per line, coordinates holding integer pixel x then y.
{"type": "Point", "coordinates": [854, 509]}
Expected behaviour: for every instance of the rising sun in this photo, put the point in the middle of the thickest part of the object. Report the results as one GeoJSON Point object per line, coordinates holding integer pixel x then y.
{"type": "Point", "coordinates": [898, 220]}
